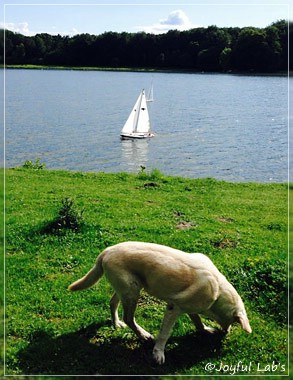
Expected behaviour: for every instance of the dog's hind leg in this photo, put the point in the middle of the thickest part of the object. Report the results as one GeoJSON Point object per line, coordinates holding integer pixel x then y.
{"type": "Point", "coordinates": [114, 303]}
{"type": "Point", "coordinates": [127, 289]}
{"type": "Point", "coordinates": [171, 314]}
{"type": "Point", "coordinates": [129, 306]}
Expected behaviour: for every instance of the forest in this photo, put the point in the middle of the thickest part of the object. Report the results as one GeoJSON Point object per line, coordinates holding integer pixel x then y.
{"type": "Point", "coordinates": [212, 49]}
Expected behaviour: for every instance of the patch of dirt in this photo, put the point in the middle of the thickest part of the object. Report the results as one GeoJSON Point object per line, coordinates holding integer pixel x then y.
{"type": "Point", "coordinates": [224, 219]}
{"type": "Point", "coordinates": [185, 225]}
{"type": "Point", "coordinates": [151, 185]}
{"type": "Point", "coordinates": [225, 243]}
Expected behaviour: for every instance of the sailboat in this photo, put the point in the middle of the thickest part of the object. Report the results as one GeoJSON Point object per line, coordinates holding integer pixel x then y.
{"type": "Point", "coordinates": [138, 124]}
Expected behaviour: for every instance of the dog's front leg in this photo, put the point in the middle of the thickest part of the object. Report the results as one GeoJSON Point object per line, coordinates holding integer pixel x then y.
{"type": "Point", "coordinates": [201, 326]}
{"type": "Point", "coordinates": [171, 314]}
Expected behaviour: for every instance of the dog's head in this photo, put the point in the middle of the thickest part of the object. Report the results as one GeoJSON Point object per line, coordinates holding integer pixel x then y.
{"type": "Point", "coordinates": [229, 309]}
{"type": "Point", "coordinates": [241, 318]}
{"type": "Point", "coordinates": [238, 317]}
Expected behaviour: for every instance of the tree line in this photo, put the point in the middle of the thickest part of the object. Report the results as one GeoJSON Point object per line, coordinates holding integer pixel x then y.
{"type": "Point", "coordinates": [246, 49]}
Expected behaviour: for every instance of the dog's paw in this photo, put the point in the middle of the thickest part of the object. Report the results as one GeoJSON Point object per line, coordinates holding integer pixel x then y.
{"type": "Point", "coordinates": [146, 337]}
{"type": "Point", "coordinates": [159, 355]}
{"type": "Point", "coordinates": [120, 325]}
{"type": "Point", "coordinates": [210, 330]}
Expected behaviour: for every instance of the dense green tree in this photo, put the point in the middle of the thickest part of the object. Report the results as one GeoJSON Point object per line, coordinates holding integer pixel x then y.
{"type": "Point", "coordinates": [208, 59]}
{"type": "Point", "coordinates": [283, 28]}
{"type": "Point", "coordinates": [284, 54]}
{"type": "Point", "coordinates": [251, 50]}
{"type": "Point", "coordinates": [78, 50]}
{"type": "Point", "coordinates": [205, 49]}
{"type": "Point", "coordinates": [225, 59]}
{"type": "Point", "coordinates": [1, 45]}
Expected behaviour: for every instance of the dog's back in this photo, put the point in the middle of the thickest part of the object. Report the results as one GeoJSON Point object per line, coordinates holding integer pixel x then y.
{"type": "Point", "coordinates": [155, 256]}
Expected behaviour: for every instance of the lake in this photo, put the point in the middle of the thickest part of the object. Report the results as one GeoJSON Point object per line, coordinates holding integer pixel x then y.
{"type": "Point", "coordinates": [229, 127]}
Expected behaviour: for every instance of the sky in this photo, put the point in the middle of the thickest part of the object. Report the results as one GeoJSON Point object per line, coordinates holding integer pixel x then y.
{"type": "Point", "coordinates": [71, 17]}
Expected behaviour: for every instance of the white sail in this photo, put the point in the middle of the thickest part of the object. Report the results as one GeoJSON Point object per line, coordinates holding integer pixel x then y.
{"type": "Point", "coordinates": [150, 97]}
{"type": "Point", "coordinates": [130, 124]}
{"type": "Point", "coordinates": [143, 121]}
{"type": "Point", "coordinates": [138, 123]}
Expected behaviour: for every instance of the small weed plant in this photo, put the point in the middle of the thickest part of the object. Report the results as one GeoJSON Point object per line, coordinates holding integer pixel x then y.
{"type": "Point", "coordinates": [37, 165]}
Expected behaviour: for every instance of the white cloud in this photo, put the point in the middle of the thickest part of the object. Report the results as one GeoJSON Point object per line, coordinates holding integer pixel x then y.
{"type": "Point", "coordinates": [72, 32]}
{"type": "Point", "coordinates": [23, 28]}
{"type": "Point", "coordinates": [175, 20]}
{"type": "Point", "coordinates": [20, 27]}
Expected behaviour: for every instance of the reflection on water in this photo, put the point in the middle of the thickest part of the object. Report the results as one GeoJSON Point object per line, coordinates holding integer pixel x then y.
{"type": "Point", "coordinates": [135, 152]}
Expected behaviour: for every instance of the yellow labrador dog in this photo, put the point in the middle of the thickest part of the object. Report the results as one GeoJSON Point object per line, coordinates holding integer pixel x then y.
{"type": "Point", "coordinates": [189, 283]}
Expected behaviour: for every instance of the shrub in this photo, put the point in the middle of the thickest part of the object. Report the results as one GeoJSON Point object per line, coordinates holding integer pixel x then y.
{"type": "Point", "coordinates": [69, 217]}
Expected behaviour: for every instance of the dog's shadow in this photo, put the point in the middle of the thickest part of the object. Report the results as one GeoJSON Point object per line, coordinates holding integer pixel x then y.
{"type": "Point", "coordinates": [87, 352]}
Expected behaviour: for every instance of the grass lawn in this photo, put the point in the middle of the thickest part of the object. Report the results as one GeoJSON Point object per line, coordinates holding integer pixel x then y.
{"type": "Point", "coordinates": [242, 227]}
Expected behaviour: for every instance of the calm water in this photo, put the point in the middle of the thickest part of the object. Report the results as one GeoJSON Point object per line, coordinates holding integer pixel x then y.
{"type": "Point", "coordinates": [223, 126]}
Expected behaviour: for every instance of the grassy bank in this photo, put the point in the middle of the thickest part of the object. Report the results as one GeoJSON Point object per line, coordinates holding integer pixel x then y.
{"type": "Point", "coordinates": [138, 69]}
{"type": "Point", "coordinates": [82, 68]}
{"type": "Point", "coordinates": [241, 227]}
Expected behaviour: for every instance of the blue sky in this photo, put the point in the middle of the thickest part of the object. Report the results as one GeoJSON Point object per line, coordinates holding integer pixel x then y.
{"type": "Point", "coordinates": [70, 17]}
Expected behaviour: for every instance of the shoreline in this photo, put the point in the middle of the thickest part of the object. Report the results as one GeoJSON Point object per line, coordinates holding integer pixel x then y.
{"type": "Point", "coordinates": [142, 69]}
{"type": "Point", "coordinates": [32, 167]}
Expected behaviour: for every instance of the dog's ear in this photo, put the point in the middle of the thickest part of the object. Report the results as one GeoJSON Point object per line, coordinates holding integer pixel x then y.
{"type": "Point", "coordinates": [244, 322]}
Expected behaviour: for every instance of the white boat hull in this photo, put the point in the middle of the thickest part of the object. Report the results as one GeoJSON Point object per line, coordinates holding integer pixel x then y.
{"type": "Point", "coordinates": [136, 135]}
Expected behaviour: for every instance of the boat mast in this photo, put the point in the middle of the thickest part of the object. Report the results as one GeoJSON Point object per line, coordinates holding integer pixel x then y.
{"type": "Point", "coordinates": [137, 113]}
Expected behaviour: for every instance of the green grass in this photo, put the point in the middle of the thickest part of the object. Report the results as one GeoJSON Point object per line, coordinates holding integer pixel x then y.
{"type": "Point", "coordinates": [242, 227]}
{"type": "Point", "coordinates": [84, 68]}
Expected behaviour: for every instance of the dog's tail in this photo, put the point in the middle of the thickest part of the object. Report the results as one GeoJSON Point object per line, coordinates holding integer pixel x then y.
{"type": "Point", "coordinates": [90, 278]}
